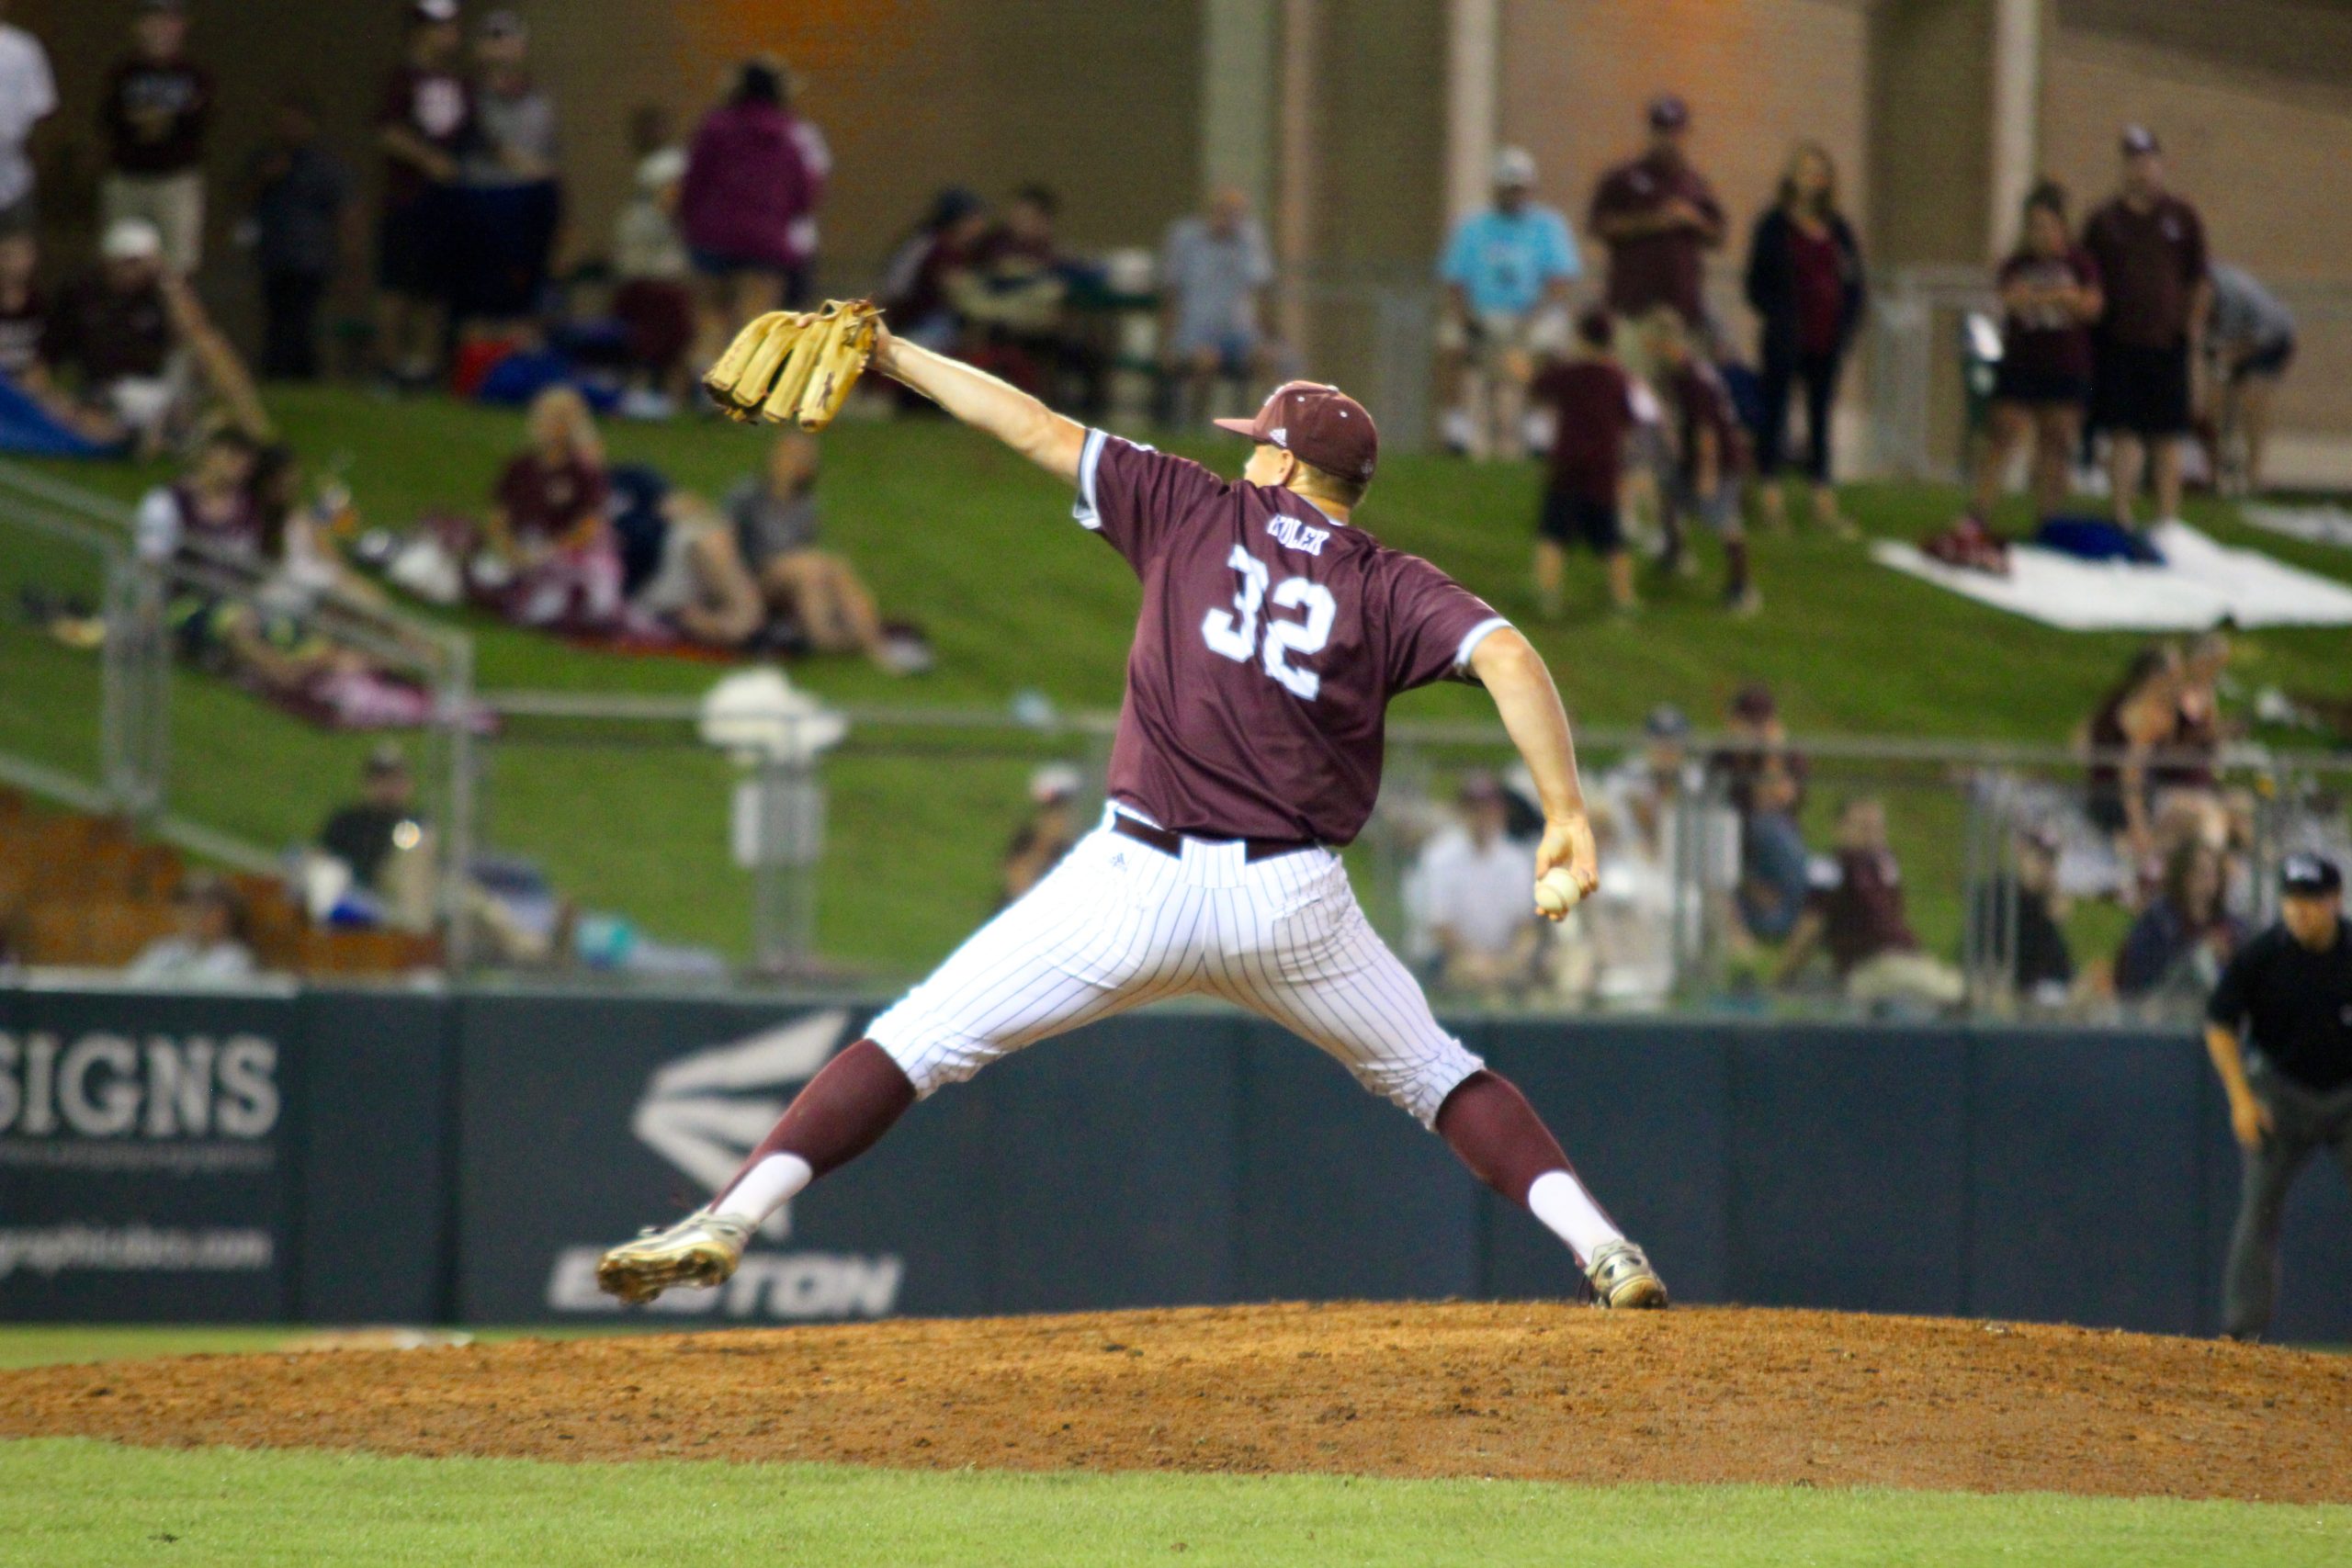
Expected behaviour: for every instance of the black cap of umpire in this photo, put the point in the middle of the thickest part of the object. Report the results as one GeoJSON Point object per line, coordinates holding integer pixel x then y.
{"type": "Point", "coordinates": [2310, 877]}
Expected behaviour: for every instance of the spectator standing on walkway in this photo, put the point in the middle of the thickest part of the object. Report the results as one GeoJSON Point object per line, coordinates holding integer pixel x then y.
{"type": "Point", "coordinates": [655, 300]}
{"type": "Point", "coordinates": [2050, 296]}
{"type": "Point", "coordinates": [1506, 272]}
{"type": "Point", "coordinates": [423, 124]}
{"type": "Point", "coordinates": [2150, 247]}
{"type": "Point", "coordinates": [2251, 338]}
{"type": "Point", "coordinates": [1659, 218]}
{"type": "Point", "coordinates": [755, 177]}
{"type": "Point", "coordinates": [2279, 1027]}
{"type": "Point", "coordinates": [1805, 282]}
{"type": "Point", "coordinates": [1215, 269]}
{"type": "Point", "coordinates": [206, 946]}
{"type": "Point", "coordinates": [27, 97]}
{"type": "Point", "coordinates": [301, 194]}
{"type": "Point", "coordinates": [155, 112]}
{"type": "Point", "coordinates": [512, 197]}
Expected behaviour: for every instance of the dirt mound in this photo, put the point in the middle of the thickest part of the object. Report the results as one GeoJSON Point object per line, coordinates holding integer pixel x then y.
{"type": "Point", "coordinates": [1513, 1390]}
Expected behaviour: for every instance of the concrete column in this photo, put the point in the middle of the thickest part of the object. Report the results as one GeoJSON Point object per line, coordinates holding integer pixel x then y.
{"type": "Point", "coordinates": [2015, 150]}
{"type": "Point", "coordinates": [1240, 89]}
{"type": "Point", "coordinates": [1471, 102]}
{"type": "Point", "coordinates": [1298, 175]}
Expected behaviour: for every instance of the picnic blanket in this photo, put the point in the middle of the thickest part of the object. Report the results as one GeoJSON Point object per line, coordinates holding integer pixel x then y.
{"type": "Point", "coordinates": [2323, 523]}
{"type": "Point", "coordinates": [2201, 585]}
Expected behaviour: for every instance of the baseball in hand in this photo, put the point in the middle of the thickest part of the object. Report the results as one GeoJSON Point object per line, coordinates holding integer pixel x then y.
{"type": "Point", "coordinates": [1557, 892]}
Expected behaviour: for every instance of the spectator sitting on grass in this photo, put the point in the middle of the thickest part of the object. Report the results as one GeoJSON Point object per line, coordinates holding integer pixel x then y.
{"type": "Point", "coordinates": [2177, 946]}
{"type": "Point", "coordinates": [24, 333]}
{"type": "Point", "coordinates": [818, 593]}
{"type": "Point", "coordinates": [133, 330]}
{"type": "Point", "coordinates": [914, 287]}
{"type": "Point", "coordinates": [686, 573]}
{"type": "Point", "coordinates": [1856, 913]}
{"type": "Point", "coordinates": [547, 527]}
{"type": "Point", "coordinates": [208, 945]}
{"type": "Point", "coordinates": [1480, 906]}
{"type": "Point", "coordinates": [1046, 834]}
{"type": "Point", "coordinates": [210, 508]}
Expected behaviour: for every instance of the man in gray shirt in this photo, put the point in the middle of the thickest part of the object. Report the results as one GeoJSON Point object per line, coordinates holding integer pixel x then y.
{"type": "Point", "coordinates": [2249, 341]}
{"type": "Point", "coordinates": [1214, 270]}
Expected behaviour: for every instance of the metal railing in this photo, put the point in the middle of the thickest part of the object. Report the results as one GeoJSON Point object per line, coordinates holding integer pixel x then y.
{"type": "Point", "coordinates": [142, 606]}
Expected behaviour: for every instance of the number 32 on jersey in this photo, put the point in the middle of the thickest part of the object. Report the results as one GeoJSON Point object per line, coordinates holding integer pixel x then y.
{"type": "Point", "coordinates": [1234, 633]}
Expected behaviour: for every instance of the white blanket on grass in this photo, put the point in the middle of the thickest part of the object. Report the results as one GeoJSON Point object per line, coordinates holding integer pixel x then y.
{"type": "Point", "coordinates": [2324, 523]}
{"type": "Point", "coordinates": [2201, 585]}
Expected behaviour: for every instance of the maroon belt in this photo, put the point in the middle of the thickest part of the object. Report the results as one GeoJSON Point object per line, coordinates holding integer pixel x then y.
{"type": "Point", "coordinates": [1169, 843]}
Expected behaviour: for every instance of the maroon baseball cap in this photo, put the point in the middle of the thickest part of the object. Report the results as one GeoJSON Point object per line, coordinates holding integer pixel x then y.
{"type": "Point", "coordinates": [1316, 424]}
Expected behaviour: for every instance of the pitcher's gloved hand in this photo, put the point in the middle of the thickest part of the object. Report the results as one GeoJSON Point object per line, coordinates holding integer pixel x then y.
{"type": "Point", "coordinates": [792, 366]}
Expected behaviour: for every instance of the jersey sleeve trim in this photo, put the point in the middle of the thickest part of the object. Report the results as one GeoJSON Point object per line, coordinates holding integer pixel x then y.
{"type": "Point", "coordinates": [1088, 515]}
{"type": "Point", "coordinates": [1476, 636]}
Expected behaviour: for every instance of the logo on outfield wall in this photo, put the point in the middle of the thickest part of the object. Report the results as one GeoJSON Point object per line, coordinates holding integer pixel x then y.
{"type": "Point", "coordinates": [107, 1101]}
{"type": "Point", "coordinates": [704, 1112]}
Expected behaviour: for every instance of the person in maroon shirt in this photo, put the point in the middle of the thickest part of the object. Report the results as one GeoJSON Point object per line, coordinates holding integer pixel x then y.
{"type": "Point", "coordinates": [747, 208]}
{"type": "Point", "coordinates": [1857, 912]}
{"type": "Point", "coordinates": [1805, 282]}
{"type": "Point", "coordinates": [1595, 408]}
{"type": "Point", "coordinates": [1710, 456]}
{"type": "Point", "coordinates": [2050, 295]}
{"type": "Point", "coordinates": [1272, 632]}
{"type": "Point", "coordinates": [423, 125]}
{"type": "Point", "coordinates": [1658, 219]}
{"type": "Point", "coordinates": [2150, 247]}
{"type": "Point", "coordinates": [154, 112]}
{"type": "Point", "coordinates": [549, 522]}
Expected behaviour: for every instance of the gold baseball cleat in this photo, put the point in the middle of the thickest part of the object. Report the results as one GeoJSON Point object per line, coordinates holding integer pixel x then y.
{"type": "Point", "coordinates": [701, 1249]}
{"type": "Point", "coordinates": [1621, 1276]}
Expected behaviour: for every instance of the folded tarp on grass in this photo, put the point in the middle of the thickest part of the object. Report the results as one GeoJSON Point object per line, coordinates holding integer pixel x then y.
{"type": "Point", "coordinates": [2201, 585]}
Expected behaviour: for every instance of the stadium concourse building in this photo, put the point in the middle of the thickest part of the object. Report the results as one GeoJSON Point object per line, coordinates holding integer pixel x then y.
{"type": "Point", "coordinates": [1362, 126]}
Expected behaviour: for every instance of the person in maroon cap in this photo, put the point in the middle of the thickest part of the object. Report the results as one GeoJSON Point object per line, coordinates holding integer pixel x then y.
{"type": "Point", "coordinates": [1272, 632]}
{"type": "Point", "coordinates": [2150, 248]}
{"type": "Point", "coordinates": [1659, 218]}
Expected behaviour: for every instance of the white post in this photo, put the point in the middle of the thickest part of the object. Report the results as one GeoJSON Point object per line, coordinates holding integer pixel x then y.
{"type": "Point", "coordinates": [2016, 140]}
{"type": "Point", "coordinates": [1473, 108]}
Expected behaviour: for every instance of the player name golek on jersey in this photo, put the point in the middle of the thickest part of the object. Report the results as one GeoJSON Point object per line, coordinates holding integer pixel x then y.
{"type": "Point", "coordinates": [1271, 639]}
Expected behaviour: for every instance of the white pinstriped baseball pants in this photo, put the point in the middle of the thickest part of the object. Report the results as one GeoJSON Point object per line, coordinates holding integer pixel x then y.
{"type": "Point", "coordinates": [1119, 924]}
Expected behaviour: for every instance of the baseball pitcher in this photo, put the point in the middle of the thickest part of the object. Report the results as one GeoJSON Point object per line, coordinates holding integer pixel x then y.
{"type": "Point", "coordinates": [1273, 633]}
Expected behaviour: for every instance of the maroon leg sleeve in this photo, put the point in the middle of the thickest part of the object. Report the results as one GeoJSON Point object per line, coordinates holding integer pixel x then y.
{"type": "Point", "coordinates": [1492, 1128]}
{"type": "Point", "coordinates": [839, 1114]}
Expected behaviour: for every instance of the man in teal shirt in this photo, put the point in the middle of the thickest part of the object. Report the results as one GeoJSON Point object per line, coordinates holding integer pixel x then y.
{"type": "Point", "coordinates": [1506, 272]}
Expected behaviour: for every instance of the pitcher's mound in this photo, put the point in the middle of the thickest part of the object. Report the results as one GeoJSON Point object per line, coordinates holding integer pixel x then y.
{"type": "Point", "coordinates": [1529, 1390]}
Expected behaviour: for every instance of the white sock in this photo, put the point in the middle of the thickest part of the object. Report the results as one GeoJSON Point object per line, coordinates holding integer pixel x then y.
{"type": "Point", "coordinates": [1567, 1211]}
{"type": "Point", "coordinates": [765, 1188]}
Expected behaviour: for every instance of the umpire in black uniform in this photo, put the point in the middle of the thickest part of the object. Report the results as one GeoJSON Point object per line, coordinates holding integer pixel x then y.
{"type": "Point", "coordinates": [2279, 1029]}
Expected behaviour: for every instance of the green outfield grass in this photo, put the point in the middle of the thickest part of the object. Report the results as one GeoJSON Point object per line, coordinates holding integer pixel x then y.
{"type": "Point", "coordinates": [85, 1502]}
{"type": "Point", "coordinates": [960, 535]}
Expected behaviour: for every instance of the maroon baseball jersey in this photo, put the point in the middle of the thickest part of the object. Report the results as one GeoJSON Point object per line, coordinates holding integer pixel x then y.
{"type": "Point", "coordinates": [1666, 267]}
{"type": "Point", "coordinates": [561, 503]}
{"type": "Point", "coordinates": [1592, 414]}
{"type": "Point", "coordinates": [2151, 262]}
{"type": "Point", "coordinates": [1859, 894]}
{"type": "Point", "coordinates": [1269, 641]}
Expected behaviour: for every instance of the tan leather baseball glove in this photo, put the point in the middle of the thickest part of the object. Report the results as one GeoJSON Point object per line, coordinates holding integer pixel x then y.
{"type": "Point", "coordinates": [792, 366]}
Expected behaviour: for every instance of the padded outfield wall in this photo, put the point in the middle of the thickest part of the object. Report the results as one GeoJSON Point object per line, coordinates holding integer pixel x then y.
{"type": "Point", "coordinates": [364, 1156]}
